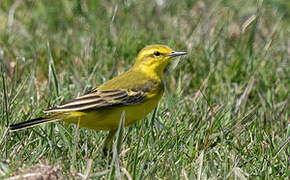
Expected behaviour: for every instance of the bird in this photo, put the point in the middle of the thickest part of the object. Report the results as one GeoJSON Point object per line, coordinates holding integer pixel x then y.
{"type": "Point", "coordinates": [135, 92]}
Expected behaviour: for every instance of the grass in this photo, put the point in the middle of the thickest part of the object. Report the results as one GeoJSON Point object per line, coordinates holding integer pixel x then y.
{"type": "Point", "coordinates": [225, 112]}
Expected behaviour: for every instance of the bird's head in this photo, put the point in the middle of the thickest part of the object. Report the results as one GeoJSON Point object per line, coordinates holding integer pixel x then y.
{"type": "Point", "coordinates": [154, 58]}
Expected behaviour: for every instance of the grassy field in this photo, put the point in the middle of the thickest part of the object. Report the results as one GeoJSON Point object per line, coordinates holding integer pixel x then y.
{"type": "Point", "coordinates": [224, 114]}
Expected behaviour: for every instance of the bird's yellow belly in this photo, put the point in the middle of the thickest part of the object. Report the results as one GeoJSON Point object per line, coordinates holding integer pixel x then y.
{"type": "Point", "coordinates": [108, 118]}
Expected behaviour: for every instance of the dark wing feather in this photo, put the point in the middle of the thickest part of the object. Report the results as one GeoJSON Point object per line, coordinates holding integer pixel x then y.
{"type": "Point", "coordinates": [102, 98]}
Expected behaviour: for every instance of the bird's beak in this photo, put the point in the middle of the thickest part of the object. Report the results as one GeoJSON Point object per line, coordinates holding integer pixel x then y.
{"type": "Point", "coordinates": [177, 53]}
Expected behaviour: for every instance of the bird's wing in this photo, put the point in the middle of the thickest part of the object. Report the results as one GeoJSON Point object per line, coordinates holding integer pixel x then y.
{"type": "Point", "coordinates": [102, 98]}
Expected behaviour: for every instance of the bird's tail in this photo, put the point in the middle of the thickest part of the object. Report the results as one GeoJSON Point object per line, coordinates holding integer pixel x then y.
{"type": "Point", "coordinates": [34, 122]}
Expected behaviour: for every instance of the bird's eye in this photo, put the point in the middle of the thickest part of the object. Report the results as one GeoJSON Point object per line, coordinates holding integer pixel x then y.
{"type": "Point", "coordinates": [156, 53]}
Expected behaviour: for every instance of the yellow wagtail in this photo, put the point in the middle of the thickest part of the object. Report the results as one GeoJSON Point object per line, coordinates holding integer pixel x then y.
{"type": "Point", "coordinates": [136, 92]}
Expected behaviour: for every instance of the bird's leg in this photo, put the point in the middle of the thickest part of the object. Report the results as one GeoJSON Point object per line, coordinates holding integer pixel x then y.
{"type": "Point", "coordinates": [107, 148]}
